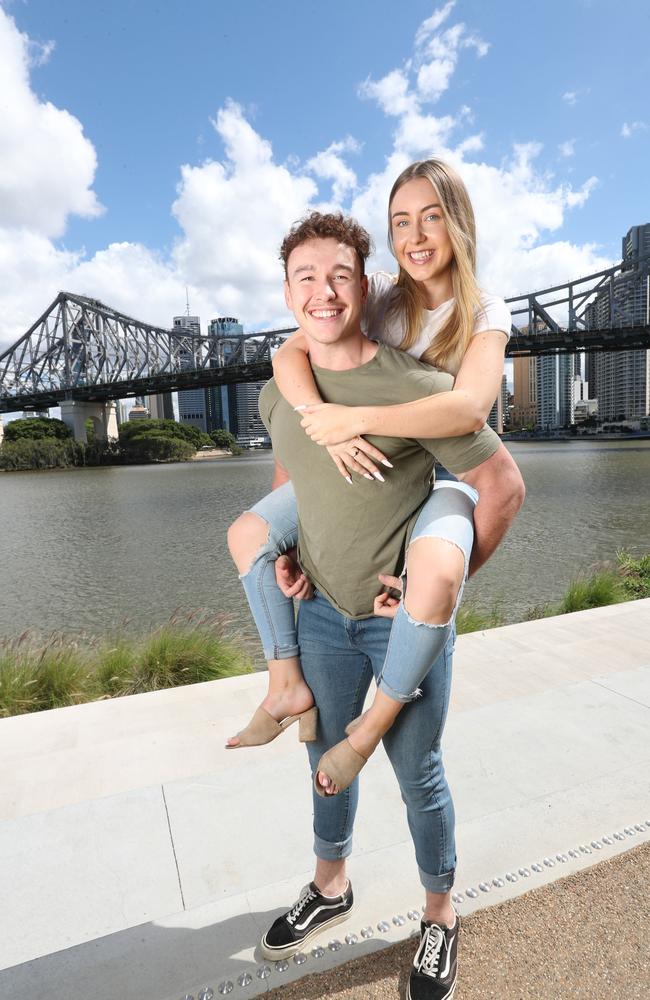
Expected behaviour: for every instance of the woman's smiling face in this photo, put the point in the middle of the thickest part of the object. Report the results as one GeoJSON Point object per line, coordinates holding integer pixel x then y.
{"type": "Point", "coordinates": [420, 238]}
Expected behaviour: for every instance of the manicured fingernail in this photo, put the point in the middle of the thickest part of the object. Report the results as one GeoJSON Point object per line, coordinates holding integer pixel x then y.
{"type": "Point", "coordinates": [385, 462]}
{"type": "Point", "coordinates": [348, 479]}
{"type": "Point", "coordinates": [367, 475]}
{"type": "Point", "coordinates": [379, 476]}
{"type": "Point", "coordinates": [303, 406]}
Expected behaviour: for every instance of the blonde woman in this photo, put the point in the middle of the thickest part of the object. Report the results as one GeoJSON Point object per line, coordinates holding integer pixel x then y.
{"type": "Point", "coordinates": [434, 310]}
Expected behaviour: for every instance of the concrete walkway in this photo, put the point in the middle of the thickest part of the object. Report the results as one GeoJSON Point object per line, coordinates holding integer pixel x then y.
{"type": "Point", "coordinates": [139, 860]}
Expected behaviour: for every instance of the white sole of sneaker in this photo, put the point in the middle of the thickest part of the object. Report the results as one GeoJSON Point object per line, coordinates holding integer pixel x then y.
{"type": "Point", "coordinates": [273, 954]}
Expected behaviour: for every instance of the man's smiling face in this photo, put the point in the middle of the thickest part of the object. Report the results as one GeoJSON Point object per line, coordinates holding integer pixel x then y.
{"type": "Point", "coordinates": [325, 290]}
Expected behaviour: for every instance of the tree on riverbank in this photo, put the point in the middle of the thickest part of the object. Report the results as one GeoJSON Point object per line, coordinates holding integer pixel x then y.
{"type": "Point", "coordinates": [45, 443]}
{"type": "Point", "coordinates": [224, 439]}
{"type": "Point", "coordinates": [37, 429]}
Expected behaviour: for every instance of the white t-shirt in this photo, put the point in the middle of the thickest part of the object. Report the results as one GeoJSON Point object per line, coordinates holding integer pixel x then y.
{"type": "Point", "coordinates": [379, 323]}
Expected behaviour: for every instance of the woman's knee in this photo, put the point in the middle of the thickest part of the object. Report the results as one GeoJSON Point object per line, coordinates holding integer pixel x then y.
{"type": "Point", "coordinates": [246, 538]}
{"type": "Point", "coordinates": [435, 570]}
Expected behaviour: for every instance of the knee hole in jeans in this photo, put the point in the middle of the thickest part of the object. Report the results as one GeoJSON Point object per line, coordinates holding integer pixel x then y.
{"type": "Point", "coordinates": [247, 538]}
{"type": "Point", "coordinates": [438, 566]}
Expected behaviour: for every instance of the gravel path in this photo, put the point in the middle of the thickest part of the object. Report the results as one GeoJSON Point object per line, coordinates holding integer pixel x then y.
{"type": "Point", "coordinates": [584, 937]}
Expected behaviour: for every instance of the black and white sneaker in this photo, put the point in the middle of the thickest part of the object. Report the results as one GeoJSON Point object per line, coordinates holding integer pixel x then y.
{"type": "Point", "coordinates": [310, 915]}
{"type": "Point", "coordinates": [435, 966]}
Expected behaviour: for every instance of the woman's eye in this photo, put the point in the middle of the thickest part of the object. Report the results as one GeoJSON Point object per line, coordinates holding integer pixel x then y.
{"type": "Point", "coordinates": [432, 218]}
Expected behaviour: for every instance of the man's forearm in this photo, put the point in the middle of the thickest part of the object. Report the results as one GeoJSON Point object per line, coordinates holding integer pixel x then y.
{"type": "Point", "coordinates": [501, 494]}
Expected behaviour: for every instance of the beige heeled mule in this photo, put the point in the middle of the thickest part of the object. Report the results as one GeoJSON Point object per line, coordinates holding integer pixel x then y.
{"type": "Point", "coordinates": [341, 764]}
{"type": "Point", "coordinates": [263, 728]}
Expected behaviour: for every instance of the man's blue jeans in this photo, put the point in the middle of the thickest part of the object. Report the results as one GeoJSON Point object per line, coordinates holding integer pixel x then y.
{"type": "Point", "coordinates": [339, 658]}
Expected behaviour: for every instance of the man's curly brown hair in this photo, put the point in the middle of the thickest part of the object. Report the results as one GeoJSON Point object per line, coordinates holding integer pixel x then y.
{"type": "Point", "coordinates": [337, 226]}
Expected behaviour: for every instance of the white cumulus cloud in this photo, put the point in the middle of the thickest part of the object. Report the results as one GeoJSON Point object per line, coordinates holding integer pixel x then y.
{"type": "Point", "coordinates": [47, 165]}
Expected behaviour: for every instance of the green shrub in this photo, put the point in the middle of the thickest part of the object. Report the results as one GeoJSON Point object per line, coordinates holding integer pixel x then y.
{"type": "Point", "coordinates": [596, 591]}
{"type": "Point", "coordinates": [62, 670]}
{"type": "Point", "coordinates": [37, 428]}
{"type": "Point", "coordinates": [224, 439]}
{"type": "Point", "coordinates": [156, 447]}
{"type": "Point", "coordinates": [635, 575]}
{"type": "Point", "coordinates": [39, 453]}
{"type": "Point", "coordinates": [168, 428]}
{"type": "Point", "coordinates": [469, 618]}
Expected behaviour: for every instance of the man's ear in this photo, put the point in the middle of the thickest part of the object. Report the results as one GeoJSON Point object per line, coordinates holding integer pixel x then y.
{"type": "Point", "coordinates": [364, 287]}
{"type": "Point", "coordinates": [287, 295]}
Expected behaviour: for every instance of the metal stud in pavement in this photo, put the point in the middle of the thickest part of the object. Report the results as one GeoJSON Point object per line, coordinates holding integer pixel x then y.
{"type": "Point", "coordinates": [317, 952]}
{"type": "Point", "coordinates": [225, 987]}
{"type": "Point", "coordinates": [335, 945]}
{"type": "Point", "coordinates": [263, 972]}
{"type": "Point", "coordinates": [282, 965]}
{"type": "Point", "coordinates": [245, 979]}
{"type": "Point", "coordinates": [299, 958]}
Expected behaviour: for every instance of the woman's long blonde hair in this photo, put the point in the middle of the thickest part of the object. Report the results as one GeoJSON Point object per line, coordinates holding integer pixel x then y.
{"type": "Point", "coordinates": [453, 339]}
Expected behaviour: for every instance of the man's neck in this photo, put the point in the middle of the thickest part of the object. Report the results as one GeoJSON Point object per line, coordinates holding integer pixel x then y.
{"type": "Point", "coordinates": [341, 357]}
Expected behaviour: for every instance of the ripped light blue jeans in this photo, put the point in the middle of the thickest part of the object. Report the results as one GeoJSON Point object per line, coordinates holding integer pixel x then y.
{"type": "Point", "coordinates": [413, 646]}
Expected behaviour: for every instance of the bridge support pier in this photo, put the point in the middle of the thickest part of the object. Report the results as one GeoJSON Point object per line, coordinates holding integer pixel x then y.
{"type": "Point", "coordinates": [103, 416]}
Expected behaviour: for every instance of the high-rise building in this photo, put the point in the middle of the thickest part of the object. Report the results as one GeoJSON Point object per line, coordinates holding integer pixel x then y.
{"type": "Point", "coordinates": [620, 380]}
{"type": "Point", "coordinates": [499, 414]}
{"type": "Point", "coordinates": [161, 406]}
{"type": "Point", "coordinates": [235, 407]}
{"type": "Point", "coordinates": [555, 384]}
{"type": "Point", "coordinates": [191, 402]}
{"type": "Point", "coordinates": [505, 401]}
{"type": "Point", "coordinates": [525, 412]}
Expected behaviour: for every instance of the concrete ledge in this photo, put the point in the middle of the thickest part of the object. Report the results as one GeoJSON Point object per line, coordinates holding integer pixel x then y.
{"type": "Point", "coordinates": [140, 859]}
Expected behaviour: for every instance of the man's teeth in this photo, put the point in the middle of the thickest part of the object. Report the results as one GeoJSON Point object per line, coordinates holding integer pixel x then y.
{"type": "Point", "coordinates": [325, 313]}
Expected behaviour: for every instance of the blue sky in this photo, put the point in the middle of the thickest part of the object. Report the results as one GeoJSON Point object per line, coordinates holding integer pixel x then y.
{"type": "Point", "coordinates": [152, 145]}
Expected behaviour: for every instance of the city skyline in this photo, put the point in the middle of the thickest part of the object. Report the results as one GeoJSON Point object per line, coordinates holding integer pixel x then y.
{"type": "Point", "coordinates": [131, 198]}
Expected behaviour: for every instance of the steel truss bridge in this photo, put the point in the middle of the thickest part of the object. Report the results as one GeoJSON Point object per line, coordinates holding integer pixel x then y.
{"type": "Point", "coordinates": [83, 350]}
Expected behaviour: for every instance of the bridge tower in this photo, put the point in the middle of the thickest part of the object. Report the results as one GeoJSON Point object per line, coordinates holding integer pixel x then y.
{"type": "Point", "coordinates": [102, 414]}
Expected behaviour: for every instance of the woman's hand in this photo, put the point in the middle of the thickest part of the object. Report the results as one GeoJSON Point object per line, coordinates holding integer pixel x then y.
{"type": "Point", "coordinates": [385, 605]}
{"type": "Point", "coordinates": [331, 423]}
{"type": "Point", "coordinates": [356, 456]}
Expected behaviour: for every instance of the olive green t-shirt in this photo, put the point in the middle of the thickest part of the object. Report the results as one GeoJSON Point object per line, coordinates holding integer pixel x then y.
{"type": "Point", "coordinates": [349, 534]}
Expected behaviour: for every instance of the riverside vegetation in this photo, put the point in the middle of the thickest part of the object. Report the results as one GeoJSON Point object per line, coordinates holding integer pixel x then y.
{"type": "Point", "coordinates": [47, 443]}
{"type": "Point", "coordinates": [37, 674]}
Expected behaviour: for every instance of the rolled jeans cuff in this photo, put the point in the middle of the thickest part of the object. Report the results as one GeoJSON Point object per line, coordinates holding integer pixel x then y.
{"type": "Point", "coordinates": [437, 883]}
{"type": "Point", "coordinates": [327, 851]}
